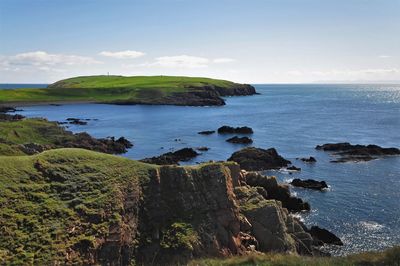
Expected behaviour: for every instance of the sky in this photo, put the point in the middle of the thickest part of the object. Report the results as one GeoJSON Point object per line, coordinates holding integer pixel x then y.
{"type": "Point", "coordinates": [251, 41]}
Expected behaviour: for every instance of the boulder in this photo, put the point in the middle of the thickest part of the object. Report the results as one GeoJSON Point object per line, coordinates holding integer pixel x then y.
{"type": "Point", "coordinates": [309, 183]}
{"type": "Point", "coordinates": [256, 159]}
{"type": "Point", "coordinates": [240, 140]}
{"type": "Point", "coordinates": [202, 148]}
{"type": "Point", "coordinates": [168, 158]}
{"type": "Point", "coordinates": [76, 121]}
{"type": "Point", "coordinates": [235, 130]}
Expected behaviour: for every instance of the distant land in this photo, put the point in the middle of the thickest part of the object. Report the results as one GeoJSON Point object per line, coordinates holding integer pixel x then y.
{"type": "Point", "coordinates": [152, 90]}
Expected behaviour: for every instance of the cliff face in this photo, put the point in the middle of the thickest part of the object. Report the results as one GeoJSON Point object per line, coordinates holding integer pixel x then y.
{"type": "Point", "coordinates": [71, 206]}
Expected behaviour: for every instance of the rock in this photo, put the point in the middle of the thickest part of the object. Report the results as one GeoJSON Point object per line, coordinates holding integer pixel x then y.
{"type": "Point", "coordinates": [202, 148]}
{"type": "Point", "coordinates": [256, 159]}
{"type": "Point", "coordinates": [270, 224]}
{"type": "Point", "coordinates": [206, 132]}
{"type": "Point", "coordinates": [8, 109]}
{"type": "Point", "coordinates": [323, 236]}
{"type": "Point", "coordinates": [76, 121]}
{"type": "Point", "coordinates": [184, 154]}
{"type": "Point", "coordinates": [276, 191]}
{"type": "Point", "coordinates": [85, 141]}
{"type": "Point", "coordinates": [347, 152]}
{"type": "Point", "coordinates": [240, 140]}
{"type": "Point", "coordinates": [309, 160]}
{"type": "Point", "coordinates": [293, 168]}
{"type": "Point", "coordinates": [33, 148]}
{"type": "Point", "coordinates": [309, 183]}
{"type": "Point", "coordinates": [8, 117]}
{"type": "Point", "coordinates": [233, 130]}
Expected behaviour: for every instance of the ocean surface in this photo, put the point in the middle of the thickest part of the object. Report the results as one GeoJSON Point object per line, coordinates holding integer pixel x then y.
{"type": "Point", "coordinates": [362, 205]}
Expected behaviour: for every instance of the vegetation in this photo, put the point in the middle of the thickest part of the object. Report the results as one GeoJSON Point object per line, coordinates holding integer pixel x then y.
{"type": "Point", "coordinates": [111, 89]}
{"type": "Point", "coordinates": [389, 257]}
{"type": "Point", "coordinates": [61, 199]}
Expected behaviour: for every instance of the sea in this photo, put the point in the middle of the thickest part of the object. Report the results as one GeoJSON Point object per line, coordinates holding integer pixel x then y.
{"type": "Point", "coordinates": [362, 204]}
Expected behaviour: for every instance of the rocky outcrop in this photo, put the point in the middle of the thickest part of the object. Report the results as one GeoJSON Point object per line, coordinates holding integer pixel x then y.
{"type": "Point", "coordinates": [256, 159]}
{"type": "Point", "coordinates": [85, 141]}
{"type": "Point", "coordinates": [8, 117]}
{"type": "Point", "coordinates": [206, 132]}
{"type": "Point", "coordinates": [240, 140]}
{"type": "Point", "coordinates": [235, 130]}
{"type": "Point", "coordinates": [322, 236]}
{"type": "Point", "coordinates": [203, 148]}
{"type": "Point", "coordinates": [76, 121]}
{"type": "Point", "coordinates": [346, 152]}
{"type": "Point", "coordinates": [293, 168]}
{"type": "Point", "coordinates": [309, 183]}
{"type": "Point", "coordinates": [168, 158]}
{"type": "Point", "coordinates": [276, 191]}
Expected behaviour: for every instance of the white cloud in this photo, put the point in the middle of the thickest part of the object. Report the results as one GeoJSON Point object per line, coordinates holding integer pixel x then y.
{"type": "Point", "coordinates": [180, 61]}
{"type": "Point", "coordinates": [384, 56]}
{"type": "Point", "coordinates": [128, 54]}
{"type": "Point", "coordinates": [223, 60]}
{"type": "Point", "coordinates": [40, 58]}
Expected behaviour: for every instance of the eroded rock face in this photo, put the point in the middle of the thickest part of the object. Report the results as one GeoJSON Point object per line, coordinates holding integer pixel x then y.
{"type": "Point", "coordinates": [256, 159]}
{"type": "Point", "coordinates": [322, 236]}
{"type": "Point", "coordinates": [168, 158]}
{"type": "Point", "coordinates": [347, 152]}
{"type": "Point", "coordinates": [201, 199]}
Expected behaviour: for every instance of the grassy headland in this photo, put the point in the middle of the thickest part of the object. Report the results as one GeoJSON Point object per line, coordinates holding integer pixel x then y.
{"type": "Point", "coordinates": [129, 90]}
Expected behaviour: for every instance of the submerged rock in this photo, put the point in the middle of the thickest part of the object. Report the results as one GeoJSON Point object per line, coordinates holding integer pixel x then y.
{"type": "Point", "coordinates": [240, 140]}
{"type": "Point", "coordinates": [309, 183]}
{"type": "Point", "coordinates": [168, 158]}
{"type": "Point", "coordinates": [256, 159]}
{"type": "Point", "coordinates": [206, 132]}
{"type": "Point", "coordinates": [76, 121]}
{"type": "Point", "coordinates": [347, 152]}
{"type": "Point", "coordinates": [235, 130]}
{"type": "Point", "coordinates": [202, 148]}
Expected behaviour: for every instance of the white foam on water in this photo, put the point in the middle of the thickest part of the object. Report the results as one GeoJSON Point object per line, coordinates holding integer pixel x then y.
{"type": "Point", "coordinates": [371, 225]}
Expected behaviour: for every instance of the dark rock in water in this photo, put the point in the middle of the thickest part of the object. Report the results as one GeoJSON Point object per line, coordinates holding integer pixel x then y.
{"type": "Point", "coordinates": [347, 152]}
{"type": "Point", "coordinates": [294, 168]}
{"type": "Point", "coordinates": [55, 104]}
{"type": "Point", "coordinates": [256, 159]}
{"type": "Point", "coordinates": [106, 145]}
{"type": "Point", "coordinates": [8, 117]}
{"type": "Point", "coordinates": [76, 121]}
{"type": "Point", "coordinates": [276, 191]}
{"type": "Point", "coordinates": [238, 140]}
{"type": "Point", "coordinates": [309, 183]}
{"type": "Point", "coordinates": [202, 148]}
{"type": "Point", "coordinates": [234, 130]}
{"type": "Point", "coordinates": [184, 154]}
{"type": "Point", "coordinates": [8, 109]}
{"type": "Point", "coordinates": [206, 132]}
{"type": "Point", "coordinates": [309, 160]}
{"type": "Point", "coordinates": [323, 236]}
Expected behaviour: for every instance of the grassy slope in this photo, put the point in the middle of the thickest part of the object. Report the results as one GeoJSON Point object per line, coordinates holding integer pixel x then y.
{"type": "Point", "coordinates": [39, 214]}
{"type": "Point", "coordinates": [38, 131]}
{"type": "Point", "coordinates": [109, 89]}
{"type": "Point", "coordinates": [389, 257]}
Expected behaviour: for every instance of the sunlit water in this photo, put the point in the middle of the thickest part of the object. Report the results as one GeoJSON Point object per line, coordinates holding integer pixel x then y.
{"type": "Point", "coordinates": [362, 205]}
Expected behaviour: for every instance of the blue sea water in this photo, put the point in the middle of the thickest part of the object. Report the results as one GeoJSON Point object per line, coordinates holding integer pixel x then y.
{"type": "Point", "coordinates": [362, 205]}
{"type": "Point", "coordinates": [9, 86]}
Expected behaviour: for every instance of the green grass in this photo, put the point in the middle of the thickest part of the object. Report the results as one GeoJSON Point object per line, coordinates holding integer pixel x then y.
{"type": "Point", "coordinates": [109, 89]}
{"type": "Point", "coordinates": [60, 199]}
{"type": "Point", "coordinates": [389, 257]}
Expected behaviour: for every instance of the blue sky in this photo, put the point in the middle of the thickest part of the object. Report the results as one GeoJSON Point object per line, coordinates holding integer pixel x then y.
{"type": "Point", "coordinates": [255, 41]}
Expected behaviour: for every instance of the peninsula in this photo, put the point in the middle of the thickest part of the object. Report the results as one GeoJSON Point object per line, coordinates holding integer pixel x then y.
{"type": "Point", "coordinates": [152, 90]}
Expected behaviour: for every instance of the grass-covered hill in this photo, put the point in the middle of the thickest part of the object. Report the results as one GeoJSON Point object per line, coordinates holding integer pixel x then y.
{"type": "Point", "coordinates": [130, 90]}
